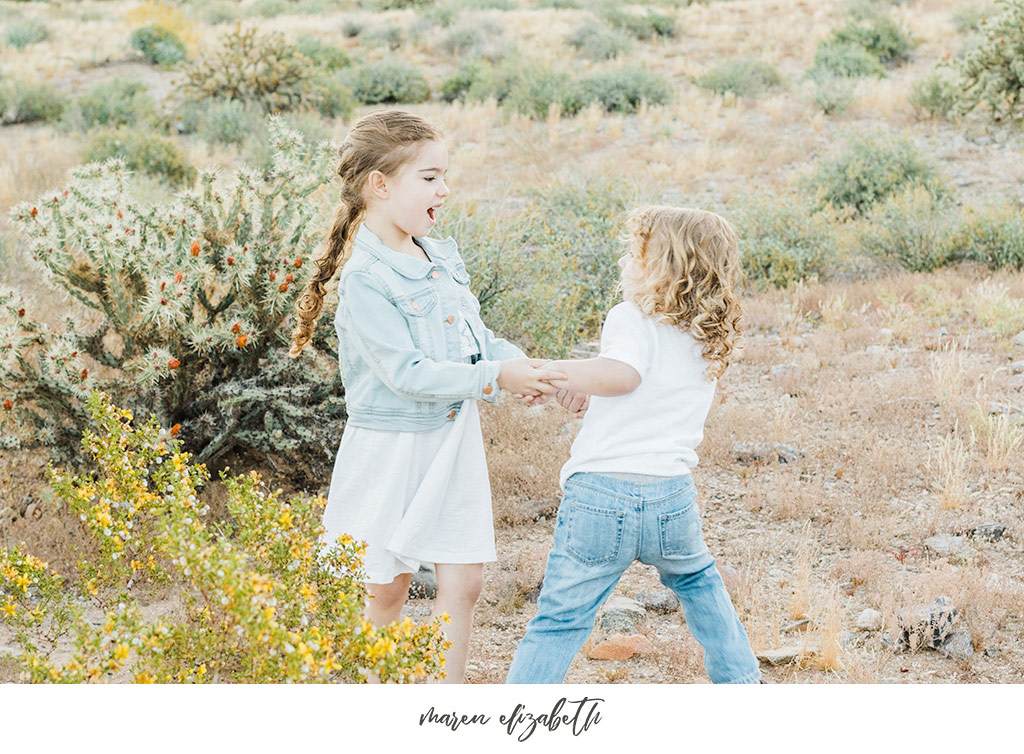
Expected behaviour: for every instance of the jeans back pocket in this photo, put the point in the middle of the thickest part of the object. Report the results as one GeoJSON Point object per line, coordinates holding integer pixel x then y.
{"type": "Point", "coordinates": [593, 535]}
{"type": "Point", "coordinates": [680, 531]}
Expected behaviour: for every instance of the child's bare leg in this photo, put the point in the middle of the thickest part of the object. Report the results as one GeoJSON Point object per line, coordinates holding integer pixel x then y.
{"type": "Point", "coordinates": [458, 586]}
{"type": "Point", "coordinates": [384, 604]}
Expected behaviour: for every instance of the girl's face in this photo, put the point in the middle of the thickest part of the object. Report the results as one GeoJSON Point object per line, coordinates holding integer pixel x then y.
{"type": "Point", "coordinates": [416, 192]}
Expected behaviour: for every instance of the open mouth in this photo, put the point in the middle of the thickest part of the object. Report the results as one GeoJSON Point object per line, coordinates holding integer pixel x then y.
{"type": "Point", "coordinates": [431, 214]}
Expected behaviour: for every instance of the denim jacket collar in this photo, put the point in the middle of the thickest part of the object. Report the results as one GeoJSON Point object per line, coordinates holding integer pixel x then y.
{"type": "Point", "coordinates": [403, 264]}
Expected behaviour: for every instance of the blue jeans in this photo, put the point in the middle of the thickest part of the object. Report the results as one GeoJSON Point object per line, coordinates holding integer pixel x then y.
{"type": "Point", "coordinates": [604, 524]}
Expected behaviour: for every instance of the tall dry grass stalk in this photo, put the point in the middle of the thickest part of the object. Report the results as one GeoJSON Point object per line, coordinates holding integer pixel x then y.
{"type": "Point", "coordinates": [947, 372]}
{"type": "Point", "coordinates": [831, 657]}
{"type": "Point", "coordinates": [1003, 438]}
{"type": "Point", "coordinates": [948, 462]}
{"type": "Point", "coordinates": [800, 600]}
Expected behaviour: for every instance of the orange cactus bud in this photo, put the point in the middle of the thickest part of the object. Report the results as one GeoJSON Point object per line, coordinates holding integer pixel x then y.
{"type": "Point", "coordinates": [8, 404]}
{"type": "Point", "coordinates": [173, 363]}
{"type": "Point", "coordinates": [289, 278]}
{"type": "Point", "coordinates": [120, 215]}
{"type": "Point", "coordinates": [298, 262]}
{"type": "Point", "coordinates": [231, 261]}
{"type": "Point", "coordinates": [235, 328]}
{"type": "Point", "coordinates": [178, 277]}
{"type": "Point", "coordinates": [34, 212]}
{"type": "Point", "coordinates": [283, 287]}
{"type": "Point", "coordinates": [195, 248]}
{"type": "Point", "coordinates": [163, 284]}
{"type": "Point", "coordinates": [163, 302]}
{"type": "Point", "coordinates": [273, 276]}
{"type": "Point", "coordinates": [21, 312]}
{"type": "Point", "coordinates": [175, 430]}
{"type": "Point", "coordinates": [242, 340]}
{"type": "Point", "coordinates": [85, 373]}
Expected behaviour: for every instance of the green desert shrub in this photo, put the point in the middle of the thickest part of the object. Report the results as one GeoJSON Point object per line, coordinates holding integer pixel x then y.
{"type": "Point", "coordinates": [391, 36]}
{"type": "Point", "coordinates": [744, 77]}
{"type": "Point", "coordinates": [647, 25]}
{"type": "Point", "coordinates": [993, 72]}
{"type": "Point", "coordinates": [143, 151]}
{"type": "Point", "coordinates": [27, 102]}
{"type": "Point", "coordinates": [158, 45]}
{"type": "Point", "coordinates": [120, 102]}
{"type": "Point", "coordinates": [881, 36]}
{"type": "Point", "coordinates": [21, 34]}
{"type": "Point", "coordinates": [388, 81]}
{"type": "Point", "coordinates": [621, 90]}
{"type": "Point", "coordinates": [832, 93]}
{"type": "Point", "coordinates": [845, 59]}
{"type": "Point", "coordinates": [870, 169]}
{"type": "Point", "coordinates": [993, 235]}
{"type": "Point", "coordinates": [598, 42]}
{"type": "Point", "coordinates": [229, 122]}
{"type": "Point", "coordinates": [335, 99]}
{"type": "Point", "coordinates": [936, 95]}
{"type": "Point", "coordinates": [783, 239]}
{"type": "Point", "coordinates": [913, 228]}
{"type": "Point", "coordinates": [462, 40]}
{"type": "Point", "coordinates": [969, 17]}
{"type": "Point", "coordinates": [323, 54]}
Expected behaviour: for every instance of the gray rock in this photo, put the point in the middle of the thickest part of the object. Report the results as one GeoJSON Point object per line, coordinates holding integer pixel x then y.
{"type": "Point", "coordinates": [775, 452]}
{"type": "Point", "coordinates": [619, 615]}
{"type": "Point", "coordinates": [990, 532]}
{"type": "Point", "coordinates": [957, 646]}
{"type": "Point", "coordinates": [1009, 409]}
{"type": "Point", "coordinates": [869, 620]}
{"type": "Point", "coordinates": [799, 342]}
{"type": "Point", "coordinates": [875, 351]}
{"type": "Point", "coordinates": [1018, 339]}
{"type": "Point", "coordinates": [1016, 381]}
{"type": "Point", "coordinates": [948, 546]}
{"type": "Point", "coordinates": [927, 625]}
{"type": "Point", "coordinates": [780, 369]}
{"type": "Point", "coordinates": [661, 601]}
{"type": "Point", "coordinates": [885, 334]}
{"type": "Point", "coordinates": [1017, 367]}
{"type": "Point", "coordinates": [782, 655]}
{"type": "Point", "coordinates": [424, 584]}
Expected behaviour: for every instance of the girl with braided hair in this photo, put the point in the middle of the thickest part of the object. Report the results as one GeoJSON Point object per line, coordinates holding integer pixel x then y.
{"type": "Point", "coordinates": [410, 478]}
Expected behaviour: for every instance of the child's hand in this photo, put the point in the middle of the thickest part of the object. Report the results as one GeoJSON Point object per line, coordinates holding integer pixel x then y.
{"type": "Point", "coordinates": [523, 377]}
{"type": "Point", "coordinates": [575, 403]}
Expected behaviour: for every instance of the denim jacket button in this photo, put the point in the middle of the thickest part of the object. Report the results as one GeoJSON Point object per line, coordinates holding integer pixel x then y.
{"type": "Point", "coordinates": [451, 319]}
{"type": "Point", "coordinates": [451, 415]}
{"type": "Point", "coordinates": [435, 274]}
{"type": "Point", "coordinates": [415, 304]}
{"type": "Point", "coordinates": [488, 390]}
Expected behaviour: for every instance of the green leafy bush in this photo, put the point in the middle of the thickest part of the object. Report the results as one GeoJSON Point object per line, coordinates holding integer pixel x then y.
{"type": "Point", "coordinates": [262, 601]}
{"type": "Point", "coordinates": [870, 169]}
{"type": "Point", "coordinates": [336, 99]}
{"type": "Point", "coordinates": [158, 45]}
{"type": "Point", "coordinates": [229, 122]}
{"type": "Point", "coordinates": [783, 240]}
{"type": "Point", "coordinates": [323, 54]}
{"type": "Point", "coordinates": [595, 42]}
{"type": "Point", "coordinates": [457, 86]}
{"type": "Point", "coordinates": [142, 150]}
{"type": "Point", "coordinates": [391, 36]}
{"type": "Point", "coordinates": [913, 228]}
{"type": "Point", "coordinates": [265, 70]}
{"type": "Point", "coordinates": [269, 8]}
{"type": "Point", "coordinates": [462, 40]}
{"type": "Point", "coordinates": [388, 81]}
{"type": "Point", "coordinates": [119, 102]}
{"type": "Point", "coordinates": [193, 296]}
{"type": "Point", "coordinates": [970, 17]}
{"type": "Point", "coordinates": [881, 36]}
{"type": "Point", "coordinates": [21, 34]}
{"type": "Point", "coordinates": [26, 102]}
{"type": "Point", "coordinates": [993, 72]}
{"type": "Point", "coordinates": [994, 236]}
{"type": "Point", "coordinates": [832, 93]}
{"type": "Point", "coordinates": [647, 25]}
{"type": "Point", "coordinates": [845, 59]}
{"type": "Point", "coordinates": [620, 91]}
{"type": "Point", "coordinates": [936, 95]}
{"type": "Point", "coordinates": [744, 77]}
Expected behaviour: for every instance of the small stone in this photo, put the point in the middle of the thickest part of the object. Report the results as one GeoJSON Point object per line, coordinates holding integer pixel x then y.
{"type": "Point", "coordinates": [424, 584]}
{"type": "Point", "coordinates": [620, 647]}
{"type": "Point", "coordinates": [782, 655]}
{"type": "Point", "coordinates": [869, 620]}
{"type": "Point", "coordinates": [885, 334]}
{"type": "Point", "coordinates": [1007, 409]}
{"type": "Point", "coordinates": [663, 601]}
{"type": "Point", "coordinates": [1017, 367]}
{"type": "Point", "coordinates": [780, 369]}
{"type": "Point", "coordinates": [1016, 381]}
{"type": "Point", "coordinates": [875, 350]}
{"type": "Point", "coordinates": [957, 646]}
{"type": "Point", "coordinates": [32, 511]}
{"type": "Point", "coordinates": [799, 342]}
{"type": "Point", "coordinates": [948, 546]}
{"type": "Point", "coordinates": [749, 452]}
{"type": "Point", "coordinates": [991, 531]}
{"type": "Point", "coordinates": [927, 625]}
{"type": "Point", "coordinates": [620, 615]}
{"type": "Point", "coordinates": [1018, 339]}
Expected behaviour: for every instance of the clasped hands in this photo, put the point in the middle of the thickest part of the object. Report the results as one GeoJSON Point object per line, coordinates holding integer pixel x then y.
{"type": "Point", "coordinates": [529, 381]}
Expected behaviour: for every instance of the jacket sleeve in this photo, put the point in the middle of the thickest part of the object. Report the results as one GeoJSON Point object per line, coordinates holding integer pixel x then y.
{"type": "Point", "coordinates": [381, 335]}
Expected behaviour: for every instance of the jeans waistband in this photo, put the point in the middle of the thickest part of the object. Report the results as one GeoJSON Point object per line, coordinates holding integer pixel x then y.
{"type": "Point", "coordinates": [649, 491]}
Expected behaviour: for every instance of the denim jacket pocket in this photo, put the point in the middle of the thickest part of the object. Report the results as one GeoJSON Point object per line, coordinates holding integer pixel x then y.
{"type": "Point", "coordinates": [593, 535]}
{"type": "Point", "coordinates": [418, 308]}
{"type": "Point", "coordinates": [680, 530]}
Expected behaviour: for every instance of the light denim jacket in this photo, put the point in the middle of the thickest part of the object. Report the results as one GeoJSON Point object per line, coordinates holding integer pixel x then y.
{"type": "Point", "coordinates": [398, 336]}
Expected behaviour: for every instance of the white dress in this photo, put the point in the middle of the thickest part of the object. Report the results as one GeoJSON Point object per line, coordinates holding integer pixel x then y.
{"type": "Point", "coordinates": [413, 496]}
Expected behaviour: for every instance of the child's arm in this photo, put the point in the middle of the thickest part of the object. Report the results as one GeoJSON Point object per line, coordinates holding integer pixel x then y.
{"type": "Point", "coordinates": [600, 376]}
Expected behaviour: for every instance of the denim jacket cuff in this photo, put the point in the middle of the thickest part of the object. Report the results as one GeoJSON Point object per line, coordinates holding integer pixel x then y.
{"type": "Point", "coordinates": [489, 371]}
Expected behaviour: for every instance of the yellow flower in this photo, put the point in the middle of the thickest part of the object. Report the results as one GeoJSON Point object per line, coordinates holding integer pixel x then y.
{"type": "Point", "coordinates": [121, 653]}
{"type": "Point", "coordinates": [9, 608]}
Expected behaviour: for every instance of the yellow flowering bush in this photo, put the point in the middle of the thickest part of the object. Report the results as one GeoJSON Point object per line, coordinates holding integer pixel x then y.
{"type": "Point", "coordinates": [262, 600]}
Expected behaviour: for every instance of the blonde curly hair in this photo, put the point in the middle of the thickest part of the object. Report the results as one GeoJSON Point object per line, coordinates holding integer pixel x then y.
{"type": "Point", "coordinates": [687, 273]}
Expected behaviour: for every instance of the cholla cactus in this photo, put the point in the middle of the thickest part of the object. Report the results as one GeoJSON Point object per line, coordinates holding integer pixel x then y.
{"type": "Point", "coordinates": [993, 71]}
{"type": "Point", "coordinates": [189, 300]}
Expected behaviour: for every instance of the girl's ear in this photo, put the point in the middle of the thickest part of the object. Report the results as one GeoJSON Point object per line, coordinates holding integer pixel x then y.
{"type": "Point", "coordinates": [377, 183]}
